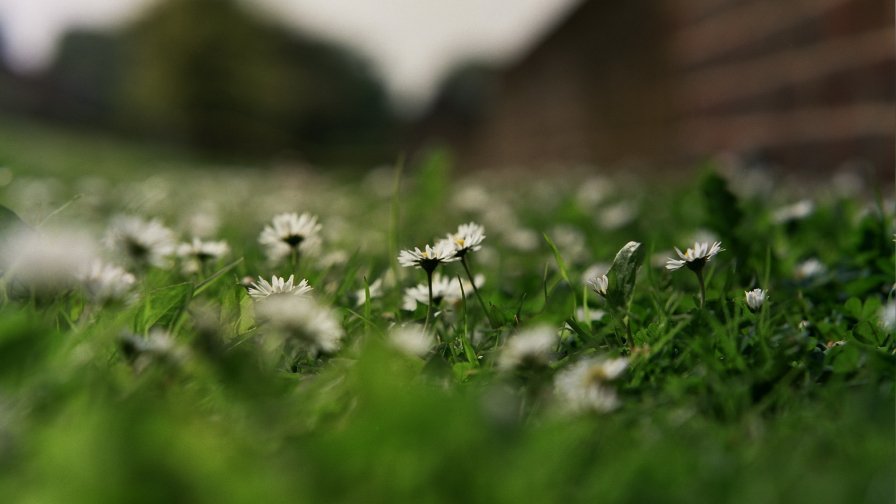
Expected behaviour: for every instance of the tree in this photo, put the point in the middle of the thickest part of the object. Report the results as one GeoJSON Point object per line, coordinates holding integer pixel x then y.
{"type": "Point", "coordinates": [214, 75]}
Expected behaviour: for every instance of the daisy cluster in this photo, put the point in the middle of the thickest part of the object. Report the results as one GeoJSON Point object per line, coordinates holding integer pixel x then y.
{"type": "Point", "coordinates": [284, 334]}
{"type": "Point", "coordinates": [301, 292]}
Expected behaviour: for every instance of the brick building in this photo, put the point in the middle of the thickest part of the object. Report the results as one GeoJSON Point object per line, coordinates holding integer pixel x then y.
{"type": "Point", "coordinates": [807, 84]}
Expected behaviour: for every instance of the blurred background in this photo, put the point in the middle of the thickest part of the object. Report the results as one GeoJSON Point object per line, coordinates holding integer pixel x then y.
{"type": "Point", "coordinates": [806, 85]}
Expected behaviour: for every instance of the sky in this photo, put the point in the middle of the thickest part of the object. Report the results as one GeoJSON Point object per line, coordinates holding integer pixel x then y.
{"type": "Point", "coordinates": [412, 43]}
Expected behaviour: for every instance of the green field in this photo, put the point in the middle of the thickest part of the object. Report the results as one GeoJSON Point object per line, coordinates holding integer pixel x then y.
{"type": "Point", "coordinates": [175, 385]}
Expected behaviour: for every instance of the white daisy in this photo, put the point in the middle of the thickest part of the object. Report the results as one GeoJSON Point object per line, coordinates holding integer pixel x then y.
{"type": "Point", "coordinates": [302, 323]}
{"type": "Point", "coordinates": [755, 298]}
{"type": "Point", "coordinates": [522, 239]}
{"type": "Point", "coordinates": [45, 262]}
{"type": "Point", "coordinates": [441, 287]}
{"type": "Point", "coordinates": [278, 286]}
{"type": "Point", "coordinates": [596, 269]}
{"type": "Point", "coordinates": [140, 241]}
{"type": "Point", "coordinates": [445, 290]}
{"type": "Point", "coordinates": [203, 222]}
{"type": "Point", "coordinates": [617, 215]}
{"type": "Point", "coordinates": [289, 233]}
{"type": "Point", "coordinates": [584, 386]}
{"type": "Point", "coordinates": [529, 348]}
{"type": "Point", "coordinates": [599, 284]}
{"type": "Point", "coordinates": [470, 198]}
{"type": "Point", "coordinates": [157, 346]}
{"type": "Point", "coordinates": [695, 258]}
{"type": "Point", "coordinates": [106, 283]}
{"type": "Point", "coordinates": [570, 242]}
{"type": "Point", "coordinates": [593, 191]}
{"type": "Point", "coordinates": [428, 258]}
{"type": "Point", "coordinates": [468, 238]}
{"type": "Point", "coordinates": [198, 252]}
{"type": "Point", "coordinates": [796, 211]}
{"type": "Point", "coordinates": [412, 340]}
{"type": "Point", "coordinates": [809, 268]}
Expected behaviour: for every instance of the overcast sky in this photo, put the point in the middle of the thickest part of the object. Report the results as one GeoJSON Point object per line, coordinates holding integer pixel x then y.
{"type": "Point", "coordinates": [412, 42]}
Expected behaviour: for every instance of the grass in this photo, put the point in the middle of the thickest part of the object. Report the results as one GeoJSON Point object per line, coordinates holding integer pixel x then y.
{"type": "Point", "coordinates": [794, 403]}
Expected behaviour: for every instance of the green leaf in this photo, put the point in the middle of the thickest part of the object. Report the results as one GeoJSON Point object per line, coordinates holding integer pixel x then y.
{"type": "Point", "coordinates": [853, 308]}
{"type": "Point", "coordinates": [864, 333]}
{"type": "Point", "coordinates": [865, 285]}
{"type": "Point", "coordinates": [870, 308]}
{"type": "Point", "coordinates": [623, 273]}
{"type": "Point", "coordinates": [846, 358]}
{"type": "Point", "coordinates": [164, 306]}
{"type": "Point", "coordinates": [561, 265]}
{"type": "Point", "coordinates": [247, 314]}
{"type": "Point", "coordinates": [214, 276]}
{"type": "Point", "coordinates": [463, 370]}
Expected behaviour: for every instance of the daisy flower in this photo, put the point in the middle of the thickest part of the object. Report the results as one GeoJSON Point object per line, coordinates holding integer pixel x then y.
{"type": "Point", "coordinates": [445, 289]}
{"type": "Point", "coordinates": [522, 239]}
{"type": "Point", "coordinates": [278, 286]}
{"type": "Point", "coordinates": [429, 258]}
{"type": "Point", "coordinates": [595, 270]}
{"type": "Point", "coordinates": [810, 268]}
{"type": "Point", "coordinates": [301, 323]}
{"type": "Point", "coordinates": [203, 222]}
{"type": "Point", "coordinates": [617, 215]}
{"type": "Point", "coordinates": [45, 262]}
{"type": "Point", "coordinates": [198, 252]}
{"type": "Point", "coordinates": [468, 238]}
{"type": "Point", "coordinates": [593, 191]}
{"type": "Point", "coordinates": [420, 293]}
{"type": "Point", "coordinates": [755, 299]}
{"type": "Point", "coordinates": [532, 347]}
{"type": "Point", "coordinates": [157, 346]}
{"type": "Point", "coordinates": [794, 212]}
{"type": "Point", "coordinates": [142, 242]}
{"type": "Point", "coordinates": [105, 283]}
{"type": "Point", "coordinates": [412, 340]}
{"type": "Point", "coordinates": [599, 284]}
{"type": "Point", "coordinates": [290, 233]}
{"type": "Point", "coordinates": [570, 241]}
{"type": "Point", "coordinates": [584, 386]}
{"type": "Point", "coordinates": [694, 258]}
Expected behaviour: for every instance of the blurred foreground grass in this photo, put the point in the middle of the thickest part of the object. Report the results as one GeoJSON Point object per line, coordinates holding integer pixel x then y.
{"type": "Point", "coordinates": [706, 414]}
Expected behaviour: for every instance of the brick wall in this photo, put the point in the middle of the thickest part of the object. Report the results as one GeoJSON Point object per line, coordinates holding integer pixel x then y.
{"type": "Point", "coordinates": [806, 83]}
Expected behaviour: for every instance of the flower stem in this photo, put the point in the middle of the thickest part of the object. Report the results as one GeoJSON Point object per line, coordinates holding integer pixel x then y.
{"type": "Point", "coordinates": [762, 334]}
{"type": "Point", "coordinates": [294, 261]}
{"type": "Point", "coordinates": [699, 274]}
{"type": "Point", "coordinates": [463, 261]}
{"type": "Point", "coordinates": [428, 305]}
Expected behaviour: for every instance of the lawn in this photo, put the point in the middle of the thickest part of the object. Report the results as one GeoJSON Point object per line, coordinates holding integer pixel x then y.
{"type": "Point", "coordinates": [153, 347]}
